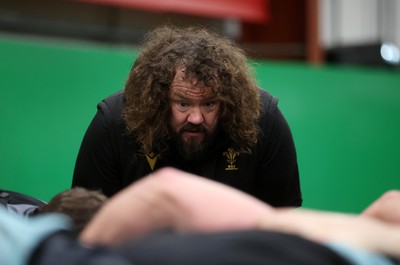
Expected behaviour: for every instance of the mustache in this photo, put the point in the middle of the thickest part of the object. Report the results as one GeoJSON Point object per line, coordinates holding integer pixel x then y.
{"type": "Point", "coordinates": [193, 128]}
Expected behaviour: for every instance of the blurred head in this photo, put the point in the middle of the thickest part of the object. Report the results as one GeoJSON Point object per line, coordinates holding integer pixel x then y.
{"type": "Point", "coordinates": [79, 204]}
{"type": "Point", "coordinates": [186, 84]}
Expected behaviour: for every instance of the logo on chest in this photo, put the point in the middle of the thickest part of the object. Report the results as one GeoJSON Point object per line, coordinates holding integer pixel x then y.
{"type": "Point", "coordinates": [152, 159]}
{"type": "Point", "coordinates": [231, 156]}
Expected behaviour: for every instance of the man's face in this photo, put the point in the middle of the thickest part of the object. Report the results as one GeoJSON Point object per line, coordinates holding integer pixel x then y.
{"type": "Point", "coordinates": [194, 114]}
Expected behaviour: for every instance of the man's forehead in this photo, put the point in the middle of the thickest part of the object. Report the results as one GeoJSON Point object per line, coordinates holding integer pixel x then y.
{"type": "Point", "coordinates": [192, 91]}
{"type": "Point", "coordinates": [183, 88]}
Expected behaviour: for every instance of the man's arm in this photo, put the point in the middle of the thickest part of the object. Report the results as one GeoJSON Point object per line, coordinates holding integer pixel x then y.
{"type": "Point", "coordinates": [170, 198]}
{"type": "Point", "coordinates": [96, 165]}
{"type": "Point", "coordinates": [327, 227]}
{"type": "Point", "coordinates": [278, 180]}
{"type": "Point", "coordinates": [385, 208]}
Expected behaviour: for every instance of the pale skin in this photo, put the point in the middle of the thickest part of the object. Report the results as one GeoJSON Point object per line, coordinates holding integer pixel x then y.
{"type": "Point", "coordinates": [192, 104]}
{"type": "Point", "coordinates": [360, 232]}
{"type": "Point", "coordinates": [170, 198]}
{"type": "Point", "coordinates": [386, 208]}
{"type": "Point", "coordinates": [186, 203]}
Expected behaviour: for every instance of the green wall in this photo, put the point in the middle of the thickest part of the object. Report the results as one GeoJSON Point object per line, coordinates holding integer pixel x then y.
{"type": "Point", "coordinates": [346, 126]}
{"type": "Point", "coordinates": [345, 121]}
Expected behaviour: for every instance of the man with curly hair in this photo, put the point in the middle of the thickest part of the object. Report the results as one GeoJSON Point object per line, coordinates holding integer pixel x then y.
{"type": "Point", "coordinates": [191, 102]}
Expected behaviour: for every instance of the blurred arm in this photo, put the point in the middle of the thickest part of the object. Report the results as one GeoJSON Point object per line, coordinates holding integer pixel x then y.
{"type": "Point", "coordinates": [173, 199]}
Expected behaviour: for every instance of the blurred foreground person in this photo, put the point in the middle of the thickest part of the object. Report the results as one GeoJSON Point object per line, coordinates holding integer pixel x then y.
{"type": "Point", "coordinates": [208, 223]}
{"type": "Point", "coordinates": [185, 203]}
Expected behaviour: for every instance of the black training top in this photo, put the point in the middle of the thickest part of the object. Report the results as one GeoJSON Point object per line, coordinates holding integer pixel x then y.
{"type": "Point", "coordinates": [110, 160]}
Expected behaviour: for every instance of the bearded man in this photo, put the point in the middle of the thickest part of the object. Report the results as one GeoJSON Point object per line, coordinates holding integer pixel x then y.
{"type": "Point", "coordinates": [191, 102]}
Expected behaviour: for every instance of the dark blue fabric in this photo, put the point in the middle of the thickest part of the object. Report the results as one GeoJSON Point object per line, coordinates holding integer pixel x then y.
{"type": "Point", "coordinates": [225, 248]}
{"type": "Point", "coordinates": [229, 248]}
{"type": "Point", "coordinates": [62, 248]}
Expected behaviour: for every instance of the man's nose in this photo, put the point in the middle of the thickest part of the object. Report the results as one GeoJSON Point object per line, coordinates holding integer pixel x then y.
{"type": "Point", "coordinates": [195, 116]}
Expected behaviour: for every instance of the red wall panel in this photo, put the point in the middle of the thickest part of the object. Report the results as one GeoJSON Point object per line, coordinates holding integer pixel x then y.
{"type": "Point", "coordinates": [255, 11]}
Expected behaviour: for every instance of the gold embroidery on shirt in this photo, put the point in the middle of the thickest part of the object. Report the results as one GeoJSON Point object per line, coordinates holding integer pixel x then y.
{"type": "Point", "coordinates": [231, 155]}
{"type": "Point", "coordinates": [152, 159]}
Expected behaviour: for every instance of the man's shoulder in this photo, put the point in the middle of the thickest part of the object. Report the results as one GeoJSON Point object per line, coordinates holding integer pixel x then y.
{"type": "Point", "coordinates": [111, 106]}
{"type": "Point", "coordinates": [114, 100]}
{"type": "Point", "coordinates": [269, 103]}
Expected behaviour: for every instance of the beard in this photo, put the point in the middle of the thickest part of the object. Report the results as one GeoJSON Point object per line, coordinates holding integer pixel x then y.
{"type": "Point", "coordinates": [194, 147]}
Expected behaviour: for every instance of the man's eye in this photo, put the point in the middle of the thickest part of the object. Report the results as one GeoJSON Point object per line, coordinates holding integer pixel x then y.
{"type": "Point", "coordinates": [182, 105]}
{"type": "Point", "coordinates": [210, 105]}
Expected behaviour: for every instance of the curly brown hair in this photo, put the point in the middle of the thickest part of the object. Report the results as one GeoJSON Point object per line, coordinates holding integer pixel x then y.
{"type": "Point", "coordinates": [213, 61]}
{"type": "Point", "coordinates": [79, 204]}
